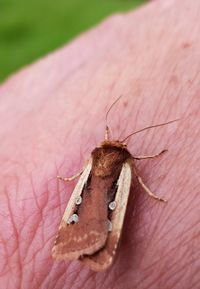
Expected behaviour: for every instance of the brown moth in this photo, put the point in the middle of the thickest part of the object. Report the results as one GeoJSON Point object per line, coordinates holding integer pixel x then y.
{"type": "Point", "coordinates": [91, 226]}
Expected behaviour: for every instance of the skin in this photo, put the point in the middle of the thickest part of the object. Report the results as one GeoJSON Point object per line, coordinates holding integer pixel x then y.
{"type": "Point", "coordinates": [53, 115]}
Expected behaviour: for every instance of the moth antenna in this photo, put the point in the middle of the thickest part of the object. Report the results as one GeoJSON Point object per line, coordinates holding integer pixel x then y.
{"type": "Point", "coordinates": [107, 133]}
{"type": "Point", "coordinates": [148, 127]}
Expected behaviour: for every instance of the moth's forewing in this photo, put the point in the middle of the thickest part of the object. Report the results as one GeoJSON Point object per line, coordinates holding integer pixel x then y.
{"type": "Point", "coordinates": [103, 258]}
{"type": "Point", "coordinates": [89, 234]}
{"type": "Point", "coordinates": [76, 193]}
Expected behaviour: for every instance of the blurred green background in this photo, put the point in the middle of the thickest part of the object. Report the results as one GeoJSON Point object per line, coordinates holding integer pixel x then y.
{"type": "Point", "coordinates": [30, 29]}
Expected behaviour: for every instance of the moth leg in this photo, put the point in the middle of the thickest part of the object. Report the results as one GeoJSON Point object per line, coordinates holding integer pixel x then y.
{"type": "Point", "coordinates": [70, 178]}
{"type": "Point", "coordinates": [149, 157]}
{"type": "Point", "coordinates": [147, 190]}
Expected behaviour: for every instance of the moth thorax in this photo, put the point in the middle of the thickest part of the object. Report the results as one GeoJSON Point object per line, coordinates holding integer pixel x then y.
{"type": "Point", "coordinates": [105, 166]}
{"type": "Point", "coordinates": [102, 172]}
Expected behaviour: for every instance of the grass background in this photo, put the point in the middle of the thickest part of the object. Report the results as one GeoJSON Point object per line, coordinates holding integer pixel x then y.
{"type": "Point", "coordinates": [31, 28]}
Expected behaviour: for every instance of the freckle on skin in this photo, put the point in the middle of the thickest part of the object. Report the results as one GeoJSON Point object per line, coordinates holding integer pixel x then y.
{"type": "Point", "coordinates": [186, 45]}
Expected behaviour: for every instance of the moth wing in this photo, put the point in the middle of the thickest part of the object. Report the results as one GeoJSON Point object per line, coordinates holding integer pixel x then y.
{"type": "Point", "coordinates": [76, 193]}
{"type": "Point", "coordinates": [89, 234]}
{"type": "Point", "coordinates": [103, 258]}
{"type": "Point", "coordinates": [58, 248]}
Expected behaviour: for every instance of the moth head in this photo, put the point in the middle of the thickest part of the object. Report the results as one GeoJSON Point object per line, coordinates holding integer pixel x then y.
{"type": "Point", "coordinates": [114, 143]}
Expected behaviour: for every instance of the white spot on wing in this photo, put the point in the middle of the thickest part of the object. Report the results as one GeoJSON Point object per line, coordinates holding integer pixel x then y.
{"type": "Point", "coordinates": [112, 206]}
{"type": "Point", "coordinates": [78, 200]}
{"type": "Point", "coordinates": [73, 219]}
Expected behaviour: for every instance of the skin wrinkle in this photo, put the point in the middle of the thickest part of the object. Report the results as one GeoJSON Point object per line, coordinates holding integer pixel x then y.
{"type": "Point", "coordinates": [175, 264]}
{"type": "Point", "coordinates": [182, 242]}
{"type": "Point", "coordinates": [90, 279]}
{"type": "Point", "coordinates": [161, 275]}
{"type": "Point", "coordinates": [194, 285]}
{"type": "Point", "coordinates": [139, 226]}
{"type": "Point", "coordinates": [180, 237]}
{"type": "Point", "coordinates": [33, 277]}
{"type": "Point", "coordinates": [187, 265]}
{"type": "Point", "coordinates": [35, 231]}
{"type": "Point", "coordinates": [169, 251]}
{"type": "Point", "coordinates": [43, 219]}
{"type": "Point", "coordinates": [174, 226]}
{"type": "Point", "coordinates": [194, 275]}
{"type": "Point", "coordinates": [45, 276]}
{"type": "Point", "coordinates": [32, 263]}
{"type": "Point", "coordinates": [75, 275]}
{"type": "Point", "coordinates": [149, 244]}
{"type": "Point", "coordinates": [138, 103]}
{"type": "Point", "coordinates": [39, 209]}
{"type": "Point", "coordinates": [118, 277]}
{"type": "Point", "coordinates": [173, 210]}
{"type": "Point", "coordinates": [8, 267]}
{"type": "Point", "coordinates": [67, 272]}
{"type": "Point", "coordinates": [48, 272]}
{"type": "Point", "coordinates": [17, 243]}
{"type": "Point", "coordinates": [38, 280]}
{"type": "Point", "coordinates": [74, 272]}
{"type": "Point", "coordinates": [36, 227]}
{"type": "Point", "coordinates": [43, 281]}
{"type": "Point", "coordinates": [98, 283]}
{"type": "Point", "coordinates": [106, 278]}
{"type": "Point", "coordinates": [24, 240]}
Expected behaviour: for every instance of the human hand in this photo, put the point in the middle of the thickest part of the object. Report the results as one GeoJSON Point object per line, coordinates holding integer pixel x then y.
{"type": "Point", "coordinates": [53, 115]}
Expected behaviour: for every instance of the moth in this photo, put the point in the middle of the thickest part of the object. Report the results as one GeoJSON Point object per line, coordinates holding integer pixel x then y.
{"type": "Point", "coordinates": [92, 223]}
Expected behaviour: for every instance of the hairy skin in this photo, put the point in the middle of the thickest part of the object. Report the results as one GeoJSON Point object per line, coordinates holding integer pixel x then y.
{"type": "Point", "coordinates": [52, 115]}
